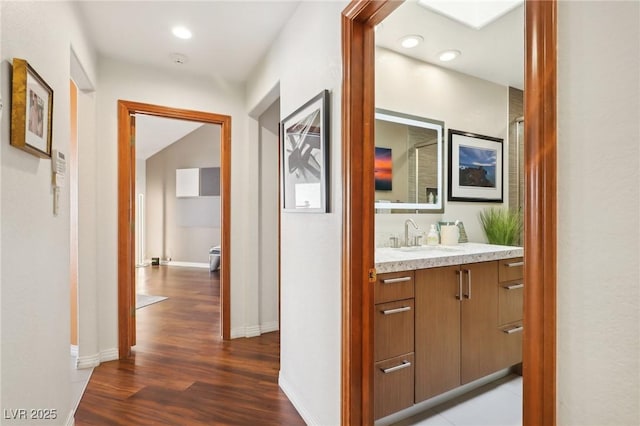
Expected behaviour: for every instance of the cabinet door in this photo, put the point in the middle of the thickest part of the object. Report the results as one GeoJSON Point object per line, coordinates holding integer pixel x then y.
{"type": "Point", "coordinates": [511, 344]}
{"type": "Point", "coordinates": [437, 325]}
{"type": "Point", "coordinates": [393, 286]}
{"type": "Point", "coordinates": [480, 339]}
{"type": "Point", "coordinates": [393, 325]}
{"type": "Point", "coordinates": [393, 385]}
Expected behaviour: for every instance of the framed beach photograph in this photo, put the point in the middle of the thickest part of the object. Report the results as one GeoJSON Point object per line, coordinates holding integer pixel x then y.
{"type": "Point", "coordinates": [475, 167]}
{"type": "Point", "coordinates": [305, 157]}
{"type": "Point", "coordinates": [31, 110]}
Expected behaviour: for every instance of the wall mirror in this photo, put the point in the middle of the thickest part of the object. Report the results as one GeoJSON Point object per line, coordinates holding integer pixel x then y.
{"type": "Point", "coordinates": [408, 163]}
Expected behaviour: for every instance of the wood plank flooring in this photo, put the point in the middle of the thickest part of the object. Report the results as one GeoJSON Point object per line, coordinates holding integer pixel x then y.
{"type": "Point", "coordinates": [181, 371]}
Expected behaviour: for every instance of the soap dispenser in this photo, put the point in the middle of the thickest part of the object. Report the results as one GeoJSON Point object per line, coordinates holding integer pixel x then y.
{"type": "Point", "coordinates": [432, 236]}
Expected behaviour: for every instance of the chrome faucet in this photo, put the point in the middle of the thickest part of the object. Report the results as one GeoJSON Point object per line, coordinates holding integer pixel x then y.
{"type": "Point", "coordinates": [406, 230]}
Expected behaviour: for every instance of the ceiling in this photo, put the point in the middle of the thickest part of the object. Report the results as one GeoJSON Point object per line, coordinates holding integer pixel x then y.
{"type": "Point", "coordinates": [155, 133]}
{"type": "Point", "coordinates": [231, 37]}
{"type": "Point", "coordinates": [494, 53]}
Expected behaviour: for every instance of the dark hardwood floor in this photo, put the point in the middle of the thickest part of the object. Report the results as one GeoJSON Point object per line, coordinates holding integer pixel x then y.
{"type": "Point", "coordinates": [181, 372]}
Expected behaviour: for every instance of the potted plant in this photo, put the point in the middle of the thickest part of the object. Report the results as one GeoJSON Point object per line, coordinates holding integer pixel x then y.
{"type": "Point", "coordinates": [501, 225]}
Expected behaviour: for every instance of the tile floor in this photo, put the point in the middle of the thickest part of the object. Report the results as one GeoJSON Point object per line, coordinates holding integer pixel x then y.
{"type": "Point", "coordinates": [496, 404]}
{"type": "Point", "coordinates": [79, 380]}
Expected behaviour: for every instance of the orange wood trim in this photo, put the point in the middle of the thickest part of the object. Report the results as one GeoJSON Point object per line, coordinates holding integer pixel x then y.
{"type": "Point", "coordinates": [539, 348]}
{"type": "Point", "coordinates": [358, 20]}
{"type": "Point", "coordinates": [225, 201]}
{"type": "Point", "coordinates": [132, 230]}
{"type": "Point", "coordinates": [126, 204]}
{"type": "Point", "coordinates": [125, 240]}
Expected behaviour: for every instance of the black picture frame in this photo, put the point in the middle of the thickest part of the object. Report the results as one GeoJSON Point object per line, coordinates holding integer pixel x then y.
{"type": "Point", "coordinates": [476, 167]}
{"type": "Point", "coordinates": [305, 156]}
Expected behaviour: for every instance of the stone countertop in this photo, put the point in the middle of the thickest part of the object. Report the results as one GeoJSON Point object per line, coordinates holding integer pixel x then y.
{"type": "Point", "coordinates": [422, 257]}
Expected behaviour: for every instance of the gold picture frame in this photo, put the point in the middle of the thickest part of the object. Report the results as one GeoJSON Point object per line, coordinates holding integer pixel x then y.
{"type": "Point", "coordinates": [31, 110]}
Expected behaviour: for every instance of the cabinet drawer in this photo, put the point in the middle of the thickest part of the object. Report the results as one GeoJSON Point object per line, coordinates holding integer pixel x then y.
{"type": "Point", "coordinates": [511, 344]}
{"type": "Point", "coordinates": [510, 299]}
{"type": "Point", "coordinates": [393, 286]}
{"type": "Point", "coordinates": [393, 385]}
{"type": "Point", "coordinates": [511, 269]}
{"type": "Point", "coordinates": [393, 325]}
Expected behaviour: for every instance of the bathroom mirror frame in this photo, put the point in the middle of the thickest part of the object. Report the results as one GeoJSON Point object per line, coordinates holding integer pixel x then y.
{"type": "Point", "coordinates": [425, 123]}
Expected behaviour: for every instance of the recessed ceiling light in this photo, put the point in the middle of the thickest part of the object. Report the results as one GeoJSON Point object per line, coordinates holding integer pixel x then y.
{"type": "Point", "coordinates": [411, 41]}
{"type": "Point", "coordinates": [181, 32]}
{"type": "Point", "coordinates": [449, 55]}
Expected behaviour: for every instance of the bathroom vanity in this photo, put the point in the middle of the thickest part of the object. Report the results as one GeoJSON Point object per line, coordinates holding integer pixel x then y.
{"type": "Point", "coordinates": [444, 316]}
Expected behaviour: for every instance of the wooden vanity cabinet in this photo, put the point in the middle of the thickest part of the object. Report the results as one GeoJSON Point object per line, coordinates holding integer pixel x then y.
{"type": "Point", "coordinates": [437, 331]}
{"type": "Point", "coordinates": [510, 310]}
{"type": "Point", "coordinates": [456, 318]}
{"type": "Point", "coordinates": [393, 325]}
{"type": "Point", "coordinates": [479, 351]}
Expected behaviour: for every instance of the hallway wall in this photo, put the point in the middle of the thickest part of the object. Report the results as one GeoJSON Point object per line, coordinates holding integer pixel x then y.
{"type": "Point", "coordinates": [310, 242]}
{"type": "Point", "coordinates": [598, 351]}
{"type": "Point", "coordinates": [35, 243]}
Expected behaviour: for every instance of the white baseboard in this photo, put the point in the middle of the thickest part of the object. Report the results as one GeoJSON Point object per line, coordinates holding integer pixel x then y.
{"type": "Point", "coordinates": [90, 361]}
{"type": "Point", "coordinates": [187, 264]}
{"type": "Point", "coordinates": [109, 355]}
{"type": "Point", "coordinates": [74, 350]}
{"type": "Point", "coordinates": [288, 391]}
{"type": "Point", "coordinates": [71, 420]}
{"type": "Point", "coordinates": [269, 327]}
{"type": "Point", "coordinates": [254, 330]}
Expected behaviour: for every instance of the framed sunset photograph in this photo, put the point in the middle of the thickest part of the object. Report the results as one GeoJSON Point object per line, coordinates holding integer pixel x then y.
{"type": "Point", "coordinates": [383, 169]}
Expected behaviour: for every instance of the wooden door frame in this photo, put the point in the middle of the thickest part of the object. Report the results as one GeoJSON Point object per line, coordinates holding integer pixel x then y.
{"type": "Point", "coordinates": [539, 346]}
{"type": "Point", "coordinates": [126, 213]}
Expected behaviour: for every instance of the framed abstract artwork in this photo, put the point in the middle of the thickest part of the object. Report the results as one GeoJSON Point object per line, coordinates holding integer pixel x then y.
{"type": "Point", "coordinates": [305, 157]}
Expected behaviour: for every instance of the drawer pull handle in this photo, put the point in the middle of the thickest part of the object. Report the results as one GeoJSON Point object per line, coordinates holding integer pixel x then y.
{"type": "Point", "coordinates": [396, 310]}
{"type": "Point", "coordinates": [396, 280]}
{"type": "Point", "coordinates": [405, 364]}
{"type": "Point", "coordinates": [513, 264]}
{"type": "Point", "coordinates": [513, 286]}
{"type": "Point", "coordinates": [514, 329]}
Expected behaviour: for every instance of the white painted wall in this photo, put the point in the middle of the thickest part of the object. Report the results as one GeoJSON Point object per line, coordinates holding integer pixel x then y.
{"type": "Point", "coordinates": [88, 348]}
{"type": "Point", "coordinates": [598, 351]}
{"type": "Point", "coordinates": [142, 84]}
{"type": "Point", "coordinates": [269, 231]}
{"type": "Point", "coordinates": [183, 229]}
{"type": "Point", "coordinates": [464, 103]}
{"type": "Point", "coordinates": [306, 59]}
{"type": "Point", "coordinates": [35, 256]}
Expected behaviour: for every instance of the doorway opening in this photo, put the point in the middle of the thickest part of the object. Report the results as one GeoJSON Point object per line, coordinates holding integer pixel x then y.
{"type": "Point", "coordinates": [359, 20]}
{"type": "Point", "coordinates": [127, 212]}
